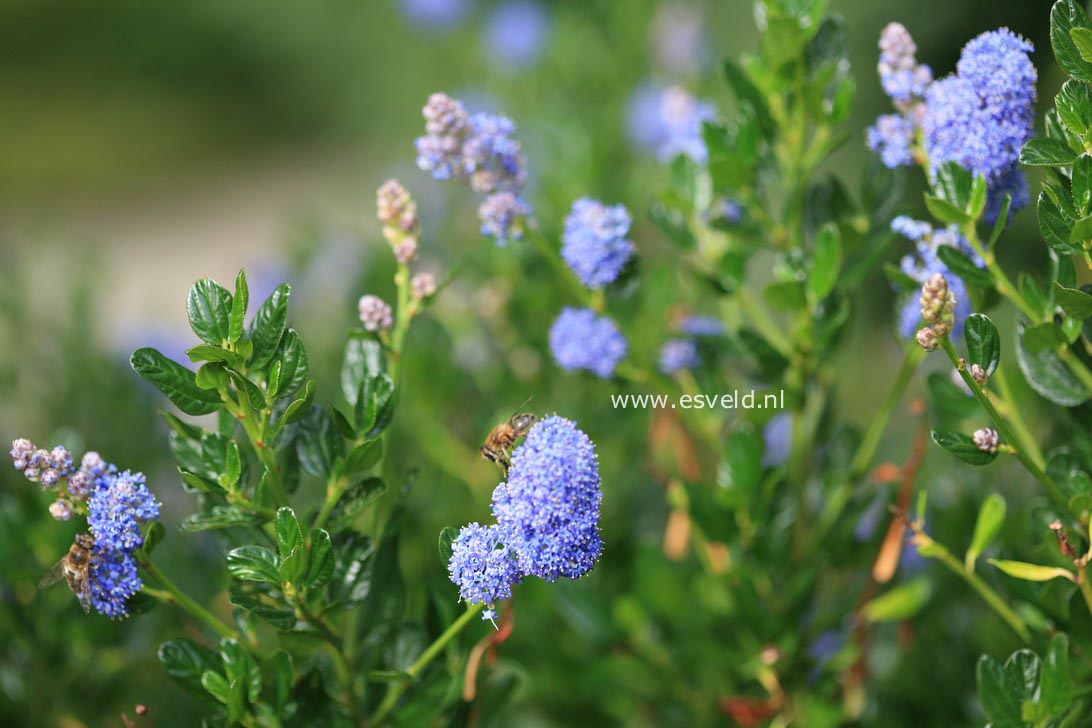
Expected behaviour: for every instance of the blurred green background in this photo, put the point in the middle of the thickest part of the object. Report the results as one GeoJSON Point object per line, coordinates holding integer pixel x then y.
{"type": "Point", "coordinates": [144, 145]}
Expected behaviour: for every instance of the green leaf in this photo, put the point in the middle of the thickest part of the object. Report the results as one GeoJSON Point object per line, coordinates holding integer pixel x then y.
{"type": "Point", "coordinates": [294, 365]}
{"type": "Point", "coordinates": [1033, 294]}
{"type": "Point", "coordinates": [238, 308]}
{"type": "Point", "coordinates": [361, 458]}
{"type": "Point", "coordinates": [293, 567]}
{"type": "Point", "coordinates": [216, 685]}
{"type": "Point", "coordinates": [279, 617]}
{"type": "Point", "coordinates": [236, 701]}
{"type": "Point", "coordinates": [1074, 104]}
{"type": "Point", "coordinates": [289, 533]}
{"type": "Point", "coordinates": [1081, 234]}
{"type": "Point", "coordinates": [1047, 374]}
{"type": "Point", "coordinates": [960, 264]}
{"type": "Point", "coordinates": [899, 603]}
{"type": "Point", "coordinates": [255, 397]}
{"type": "Point", "coordinates": [209, 309]}
{"type": "Point", "coordinates": [233, 467]}
{"type": "Point", "coordinates": [283, 671]}
{"type": "Point", "coordinates": [945, 212]}
{"type": "Point", "coordinates": [185, 661]}
{"type": "Point", "coordinates": [319, 443]}
{"type": "Point", "coordinates": [954, 184]}
{"type": "Point", "coordinates": [999, 700]}
{"type": "Point", "coordinates": [1055, 225]}
{"type": "Point", "coordinates": [356, 499]}
{"type": "Point", "coordinates": [299, 407]}
{"type": "Point", "coordinates": [212, 377]}
{"type": "Point", "coordinates": [219, 517]}
{"type": "Point", "coordinates": [1082, 38]}
{"type": "Point", "coordinates": [826, 262]}
{"type": "Point", "coordinates": [200, 485]}
{"type": "Point", "coordinates": [991, 516]}
{"type": "Point", "coordinates": [320, 567]}
{"type": "Point", "coordinates": [447, 537]}
{"type": "Point", "coordinates": [948, 399]}
{"type": "Point", "coordinates": [375, 405]}
{"type": "Point", "coordinates": [268, 326]}
{"type": "Point", "coordinates": [1042, 337]}
{"type": "Point", "coordinates": [238, 665]}
{"type": "Point", "coordinates": [963, 447]}
{"type": "Point", "coordinates": [175, 381]}
{"type": "Point", "coordinates": [363, 357]}
{"type": "Point", "coordinates": [153, 536]}
{"type": "Point", "coordinates": [352, 582]}
{"type": "Point", "coordinates": [976, 205]}
{"type": "Point", "coordinates": [208, 352]}
{"type": "Point", "coordinates": [253, 563]}
{"type": "Point", "coordinates": [747, 92]}
{"type": "Point", "coordinates": [1056, 685]}
{"type": "Point", "coordinates": [1031, 572]}
{"type": "Point", "coordinates": [1047, 152]}
{"type": "Point", "coordinates": [983, 342]}
{"type": "Point", "coordinates": [1074, 302]}
{"type": "Point", "coordinates": [1081, 184]}
{"type": "Point", "coordinates": [1022, 671]}
{"type": "Point", "coordinates": [744, 450]}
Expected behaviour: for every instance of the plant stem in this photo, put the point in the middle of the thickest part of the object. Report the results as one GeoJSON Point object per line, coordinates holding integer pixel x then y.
{"type": "Point", "coordinates": [171, 594]}
{"type": "Point", "coordinates": [1009, 409]}
{"type": "Point", "coordinates": [942, 554]}
{"type": "Point", "coordinates": [1086, 586]}
{"type": "Point", "coordinates": [866, 451]}
{"type": "Point", "coordinates": [401, 321]}
{"type": "Point", "coordinates": [1022, 451]}
{"type": "Point", "coordinates": [762, 321]}
{"type": "Point", "coordinates": [394, 693]}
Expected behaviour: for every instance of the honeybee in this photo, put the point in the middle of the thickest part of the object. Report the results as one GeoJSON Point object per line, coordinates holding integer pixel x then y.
{"type": "Point", "coordinates": [74, 568]}
{"type": "Point", "coordinates": [498, 446]}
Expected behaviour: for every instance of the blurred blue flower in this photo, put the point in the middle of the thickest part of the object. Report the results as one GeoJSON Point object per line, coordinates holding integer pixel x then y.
{"type": "Point", "coordinates": [678, 355]}
{"type": "Point", "coordinates": [516, 33]}
{"type": "Point", "coordinates": [435, 14]}
{"type": "Point", "coordinates": [579, 339]}
{"type": "Point", "coordinates": [668, 121]}
{"type": "Point", "coordinates": [643, 124]}
{"type": "Point", "coordinates": [892, 137]}
{"type": "Point", "coordinates": [902, 77]}
{"type": "Point", "coordinates": [113, 580]}
{"type": "Point", "coordinates": [778, 437]}
{"type": "Point", "coordinates": [702, 326]}
{"type": "Point", "coordinates": [594, 243]}
{"type": "Point", "coordinates": [482, 566]}
{"type": "Point", "coordinates": [502, 215]}
{"type": "Point", "coordinates": [549, 508]}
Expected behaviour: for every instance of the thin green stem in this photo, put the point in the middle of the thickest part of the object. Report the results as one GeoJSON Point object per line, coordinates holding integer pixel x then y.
{"type": "Point", "coordinates": [171, 594]}
{"type": "Point", "coordinates": [1086, 586]}
{"type": "Point", "coordinates": [1002, 425]}
{"type": "Point", "coordinates": [866, 451]}
{"type": "Point", "coordinates": [991, 597]}
{"type": "Point", "coordinates": [763, 322]}
{"type": "Point", "coordinates": [1008, 408]}
{"type": "Point", "coordinates": [394, 693]}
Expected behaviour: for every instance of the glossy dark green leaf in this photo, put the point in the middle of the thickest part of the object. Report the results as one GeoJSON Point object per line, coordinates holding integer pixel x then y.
{"type": "Point", "coordinates": [1047, 374]}
{"type": "Point", "coordinates": [959, 263]}
{"type": "Point", "coordinates": [253, 394]}
{"type": "Point", "coordinates": [253, 563]}
{"type": "Point", "coordinates": [219, 517]}
{"type": "Point", "coordinates": [945, 212]}
{"type": "Point", "coordinates": [1082, 39]}
{"type": "Point", "coordinates": [953, 184]}
{"type": "Point", "coordinates": [363, 357]}
{"type": "Point", "coordinates": [289, 533]}
{"type": "Point", "coordinates": [153, 536]}
{"type": "Point", "coordinates": [319, 443]}
{"type": "Point", "coordinates": [299, 407]}
{"type": "Point", "coordinates": [239, 303]}
{"type": "Point", "coordinates": [361, 458]}
{"type": "Point", "coordinates": [294, 365]}
{"type": "Point", "coordinates": [963, 447]}
{"type": "Point", "coordinates": [320, 568]}
{"type": "Point", "coordinates": [1056, 684]}
{"type": "Point", "coordinates": [375, 404]}
{"type": "Point", "coordinates": [278, 616]}
{"type": "Point", "coordinates": [1074, 104]}
{"type": "Point", "coordinates": [233, 466]}
{"type": "Point", "coordinates": [447, 537]}
{"type": "Point", "coordinates": [293, 568]}
{"type": "Point", "coordinates": [208, 352]}
{"type": "Point", "coordinates": [983, 342]}
{"type": "Point", "coordinates": [352, 580]}
{"type": "Point", "coordinates": [175, 381]}
{"type": "Point", "coordinates": [1042, 337]}
{"type": "Point", "coordinates": [1074, 302]}
{"type": "Point", "coordinates": [209, 309]}
{"type": "Point", "coordinates": [268, 325]}
{"type": "Point", "coordinates": [1081, 184]}
{"type": "Point", "coordinates": [1055, 225]}
{"type": "Point", "coordinates": [747, 92]}
{"type": "Point", "coordinates": [283, 670]}
{"type": "Point", "coordinates": [356, 499]}
{"type": "Point", "coordinates": [1046, 152]}
{"type": "Point", "coordinates": [185, 661]}
{"type": "Point", "coordinates": [999, 700]}
{"type": "Point", "coordinates": [238, 665]}
{"type": "Point", "coordinates": [1081, 233]}
{"type": "Point", "coordinates": [212, 377]}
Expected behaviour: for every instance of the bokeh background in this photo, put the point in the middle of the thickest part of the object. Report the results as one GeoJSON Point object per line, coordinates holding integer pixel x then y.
{"type": "Point", "coordinates": [146, 144]}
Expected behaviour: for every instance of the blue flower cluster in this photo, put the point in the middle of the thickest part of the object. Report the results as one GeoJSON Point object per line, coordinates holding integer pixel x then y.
{"type": "Point", "coordinates": [925, 263]}
{"type": "Point", "coordinates": [435, 15]}
{"type": "Point", "coordinates": [905, 81]}
{"type": "Point", "coordinates": [594, 243]}
{"type": "Point", "coordinates": [479, 149]}
{"type": "Point", "coordinates": [702, 326]}
{"type": "Point", "coordinates": [581, 339]}
{"type": "Point", "coordinates": [547, 518]}
{"type": "Point", "coordinates": [117, 504]}
{"type": "Point", "coordinates": [982, 115]}
{"type": "Point", "coordinates": [679, 355]}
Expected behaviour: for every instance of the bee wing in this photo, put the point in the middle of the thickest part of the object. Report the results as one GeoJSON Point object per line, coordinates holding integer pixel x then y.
{"type": "Point", "coordinates": [53, 576]}
{"type": "Point", "coordinates": [84, 595]}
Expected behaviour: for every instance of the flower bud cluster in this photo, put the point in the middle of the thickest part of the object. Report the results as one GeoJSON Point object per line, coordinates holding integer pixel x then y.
{"type": "Point", "coordinates": [986, 440]}
{"type": "Point", "coordinates": [937, 310]}
{"type": "Point", "coordinates": [905, 81]}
